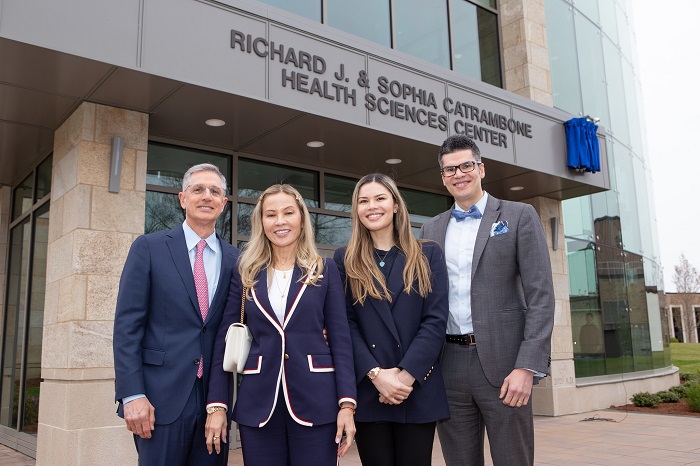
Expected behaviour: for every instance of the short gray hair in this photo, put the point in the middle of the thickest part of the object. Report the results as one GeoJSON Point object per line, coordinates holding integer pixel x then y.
{"type": "Point", "coordinates": [202, 167]}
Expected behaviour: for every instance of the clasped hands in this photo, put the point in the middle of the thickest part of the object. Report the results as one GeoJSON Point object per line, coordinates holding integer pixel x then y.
{"type": "Point", "coordinates": [394, 385]}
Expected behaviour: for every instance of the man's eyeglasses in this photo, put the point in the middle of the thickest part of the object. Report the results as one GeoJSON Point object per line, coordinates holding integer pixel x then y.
{"type": "Point", "coordinates": [464, 167]}
{"type": "Point", "coordinates": [199, 189]}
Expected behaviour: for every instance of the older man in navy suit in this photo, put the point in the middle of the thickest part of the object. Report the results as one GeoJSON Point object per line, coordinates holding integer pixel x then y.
{"type": "Point", "coordinates": [172, 294]}
{"type": "Point", "coordinates": [501, 303]}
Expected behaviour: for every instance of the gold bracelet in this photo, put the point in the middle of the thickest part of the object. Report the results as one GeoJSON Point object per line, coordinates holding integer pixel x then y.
{"type": "Point", "coordinates": [349, 407]}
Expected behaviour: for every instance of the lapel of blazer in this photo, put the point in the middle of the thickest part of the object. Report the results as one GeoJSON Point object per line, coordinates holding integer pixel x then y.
{"type": "Point", "coordinates": [440, 227]}
{"type": "Point", "coordinates": [296, 291]}
{"type": "Point", "coordinates": [227, 263]}
{"type": "Point", "coordinates": [294, 288]}
{"type": "Point", "coordinates": [395, 285]}
{"type": "Point", "coordinates": [263, 300]}
{"type": "Point", "coordinates": [491, 214]}
{"type": "Point", "coordinates": [181, 259]}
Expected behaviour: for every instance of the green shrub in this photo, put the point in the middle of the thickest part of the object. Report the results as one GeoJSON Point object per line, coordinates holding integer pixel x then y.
{"type": "Point", "coordinates": [690, 377]}
{"type": "Point", "coordinates": [693, 397]}
{"type": "Point", "coordinates": [680, 390]}
{"type": "Point", "coordinates": [650, 400]}
{"type": "Point", "coordinates": [674, 340]}
{"type": "Point", "coordinates": [669, 397]}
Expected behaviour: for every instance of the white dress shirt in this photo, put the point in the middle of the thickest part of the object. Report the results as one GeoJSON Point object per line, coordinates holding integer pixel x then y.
{"type": "Point", "coordinates": [459, 252]}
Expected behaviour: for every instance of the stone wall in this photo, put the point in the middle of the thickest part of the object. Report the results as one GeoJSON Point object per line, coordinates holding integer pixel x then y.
{"type": "Point", "coordinates": [90, 233]}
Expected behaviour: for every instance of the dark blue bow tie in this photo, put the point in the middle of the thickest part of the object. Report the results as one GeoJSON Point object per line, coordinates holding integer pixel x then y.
{"type": "Point", "coordinates": [460, 215]}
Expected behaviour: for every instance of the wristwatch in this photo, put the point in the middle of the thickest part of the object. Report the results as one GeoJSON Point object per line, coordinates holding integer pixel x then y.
{"type": "Point", "coordinates": [373, 372]}
{"type": "Point", "coordinates": [213, 409]}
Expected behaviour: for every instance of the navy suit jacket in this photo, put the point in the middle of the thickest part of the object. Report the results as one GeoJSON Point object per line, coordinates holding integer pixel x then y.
{"type": "Point", "coordinates": [408, 333]}
{"type": "Point", "coordinates": [159, 335]}
{"type": "Point", "coordinates": [290, 356]}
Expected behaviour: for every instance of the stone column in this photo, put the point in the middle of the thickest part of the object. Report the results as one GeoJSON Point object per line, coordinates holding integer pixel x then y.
{"type": "Point", "coordinates": [90, 232]}
{"type": "Point", "coordinates": [5, 207]}
{"type": "Point", "coordinates": [553, 391]}
{"type": "Point", "coordinates": [525, 52]}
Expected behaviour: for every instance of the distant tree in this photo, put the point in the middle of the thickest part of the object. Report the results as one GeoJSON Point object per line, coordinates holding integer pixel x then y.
{"type": "Point", "coordinates": [687, 281]}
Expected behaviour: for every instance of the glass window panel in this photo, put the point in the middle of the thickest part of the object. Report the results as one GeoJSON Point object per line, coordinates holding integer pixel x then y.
{"type": "Point", "coordinates": [43, 179]}
{"type": "Point", "coordinates": [564, 64]}
{"type": "Point", "coordinates": [244, 213]}
{"type": "Point", "coordinates": [365, 18]}
{"type": "Point", "coordinates": [465, 38]}
{"type": "Point", "coordinates": [167, 164]}
{"type": "Point", "coordinates": [588, 8]}
{"type": "Point", "coordinates": [423, 206]}
{"type": "Point", "coordinates": [491, 3]}
{"type": "Point", "coordinates": [616, 92]}
{"type": "Point", "coordinates": [606, 218]}
{"type": "Point", "coordinates": [577, 217]}
{"type": "Point", "coordinates": [163, 212]}
{"type": "Point", "coordinates": [629, 212]}
{"type": "Point", "coordinates": [421, 30]}
{"type": "Point", "coordinates": [624, 32]}
{"type": "Point", "coordinates": [254, 177]}
{"type": "Point", "coordinates": [307, 8]}
{"type": "Point", "coordinates": [633, 110]}
{"type": "Point", "coordinates": [608, 19]}
{"type": "Point", "coordinates": [590, 56]}
{"type": "Point", "coordinates": [586, 316]}
{"type": "Point", "coordinates": [617, 337]}
{"type": "Point", "coordinates": [644, 208]}
{"type": "Point", "coordinates": [488, 48]}
{"type": "Point", "coordinates": [338, 192]}
{"type": "Point", "coordinates": [15, 316]}
{"type": "Point", "coordinates": [23, 197]}
{"type": "Point", "coordinates": [638, 314]}
{"type": "Point", "coordinates": [331, 230]}
{"type": "Point", "coordinates": [36, 321]}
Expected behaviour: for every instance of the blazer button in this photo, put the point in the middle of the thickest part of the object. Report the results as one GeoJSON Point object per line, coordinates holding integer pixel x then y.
{"type": "Point", "coordinates": [398, 346]}
{"type": "Point", "coordinates": [374, 346]}
{"type": "Point", "coordinates": [204, 330]}
{"type": "Point", "coordinates": [286, 356]}
{"type": "Point", "coordinates": [196, 361]}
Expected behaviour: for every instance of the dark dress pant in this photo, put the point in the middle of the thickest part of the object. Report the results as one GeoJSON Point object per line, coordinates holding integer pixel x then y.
{"type": "Point", "coordinates": [394, 444]}
{"type": "Point", "coordinates": [475, 406]}
{"type": "Point", "coordinates": [284, 442]}
{"type": "Point", "coordinates": [182, 443]}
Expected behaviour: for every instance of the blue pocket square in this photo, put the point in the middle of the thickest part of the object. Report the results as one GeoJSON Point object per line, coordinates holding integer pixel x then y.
{"type": "Point", "coordinates": [499, 228]}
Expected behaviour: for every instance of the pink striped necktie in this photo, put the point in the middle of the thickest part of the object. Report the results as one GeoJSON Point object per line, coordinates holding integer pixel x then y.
{"type": "Point", "coordinates": [200, 284]}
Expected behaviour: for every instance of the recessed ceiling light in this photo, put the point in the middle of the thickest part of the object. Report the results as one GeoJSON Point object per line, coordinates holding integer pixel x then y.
{"type": "Point", "coordinates": [392, 161]}
{"type": "Point", "coordinates": [215, 122]}
{"type": "Point", "coordinates": [315, 144]}
{"type": "Point", "coordinates": [517, 188]}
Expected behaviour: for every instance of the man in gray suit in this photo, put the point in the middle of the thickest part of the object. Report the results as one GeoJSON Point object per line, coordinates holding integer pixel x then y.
{"type": "Point", "coordinates": [501, 302]}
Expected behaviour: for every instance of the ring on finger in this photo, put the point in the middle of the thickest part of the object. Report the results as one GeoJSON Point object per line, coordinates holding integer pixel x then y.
{"type": "Point", "coordinates": [216, 437]}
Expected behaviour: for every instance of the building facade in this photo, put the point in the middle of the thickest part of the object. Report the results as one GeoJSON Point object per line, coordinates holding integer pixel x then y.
{"type": "Point", "coordinates": [683, 316]}
{"type": "Point", "coordinates": [106, 104]}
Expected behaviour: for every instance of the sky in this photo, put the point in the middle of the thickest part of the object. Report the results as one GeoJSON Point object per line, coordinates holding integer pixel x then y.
{"type": "Point", "coordinates": [668, 46]}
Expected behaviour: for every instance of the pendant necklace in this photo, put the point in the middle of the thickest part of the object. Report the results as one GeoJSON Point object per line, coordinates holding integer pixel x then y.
{"type": "Point", "coordinates": [281, 289]}
{"type": "Point", "coordinates": [381, 259]}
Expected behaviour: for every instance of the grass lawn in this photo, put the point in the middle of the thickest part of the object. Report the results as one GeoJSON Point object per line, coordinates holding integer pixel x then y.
{"type": "Point", "coordinates": [686, 356]}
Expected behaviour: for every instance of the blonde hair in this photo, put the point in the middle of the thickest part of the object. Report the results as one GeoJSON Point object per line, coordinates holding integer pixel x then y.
{"type": "Point", "coordinates": [363, 276]}
{"type": "Point", "coordinates": [257, 254]}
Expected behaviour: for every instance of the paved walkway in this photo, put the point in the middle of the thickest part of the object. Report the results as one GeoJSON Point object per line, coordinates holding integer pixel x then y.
{"type": "Point", "coordinates": [635, 439]}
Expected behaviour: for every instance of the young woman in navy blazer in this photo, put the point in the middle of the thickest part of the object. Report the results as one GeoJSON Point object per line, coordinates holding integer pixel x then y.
{"type": "Point", "coordinates": [396, 297]}
{"type": "Point", "coordinates": [297, 395]}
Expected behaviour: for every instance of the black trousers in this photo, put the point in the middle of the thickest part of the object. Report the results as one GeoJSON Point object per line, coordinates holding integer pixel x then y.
{"type": "Point", "coordinates": [394, 444]}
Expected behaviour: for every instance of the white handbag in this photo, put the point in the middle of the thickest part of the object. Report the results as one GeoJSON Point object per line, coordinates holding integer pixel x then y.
{"type": "Point", "coordinates": [238, 340]}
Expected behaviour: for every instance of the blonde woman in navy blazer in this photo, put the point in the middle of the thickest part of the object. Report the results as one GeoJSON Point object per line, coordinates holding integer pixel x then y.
{"type": "Point", "coordinates": [396, 296]}
{"type": "Point", "coordinates": [297, 395]}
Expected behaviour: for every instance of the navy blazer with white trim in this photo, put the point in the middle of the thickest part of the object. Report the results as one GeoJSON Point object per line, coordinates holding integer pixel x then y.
{"type": "Point", "coordinates": [291, 356]}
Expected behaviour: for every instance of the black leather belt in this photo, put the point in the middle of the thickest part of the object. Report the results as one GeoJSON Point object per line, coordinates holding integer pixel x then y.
{"type": "Point", "coordinates": [467, 340]}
